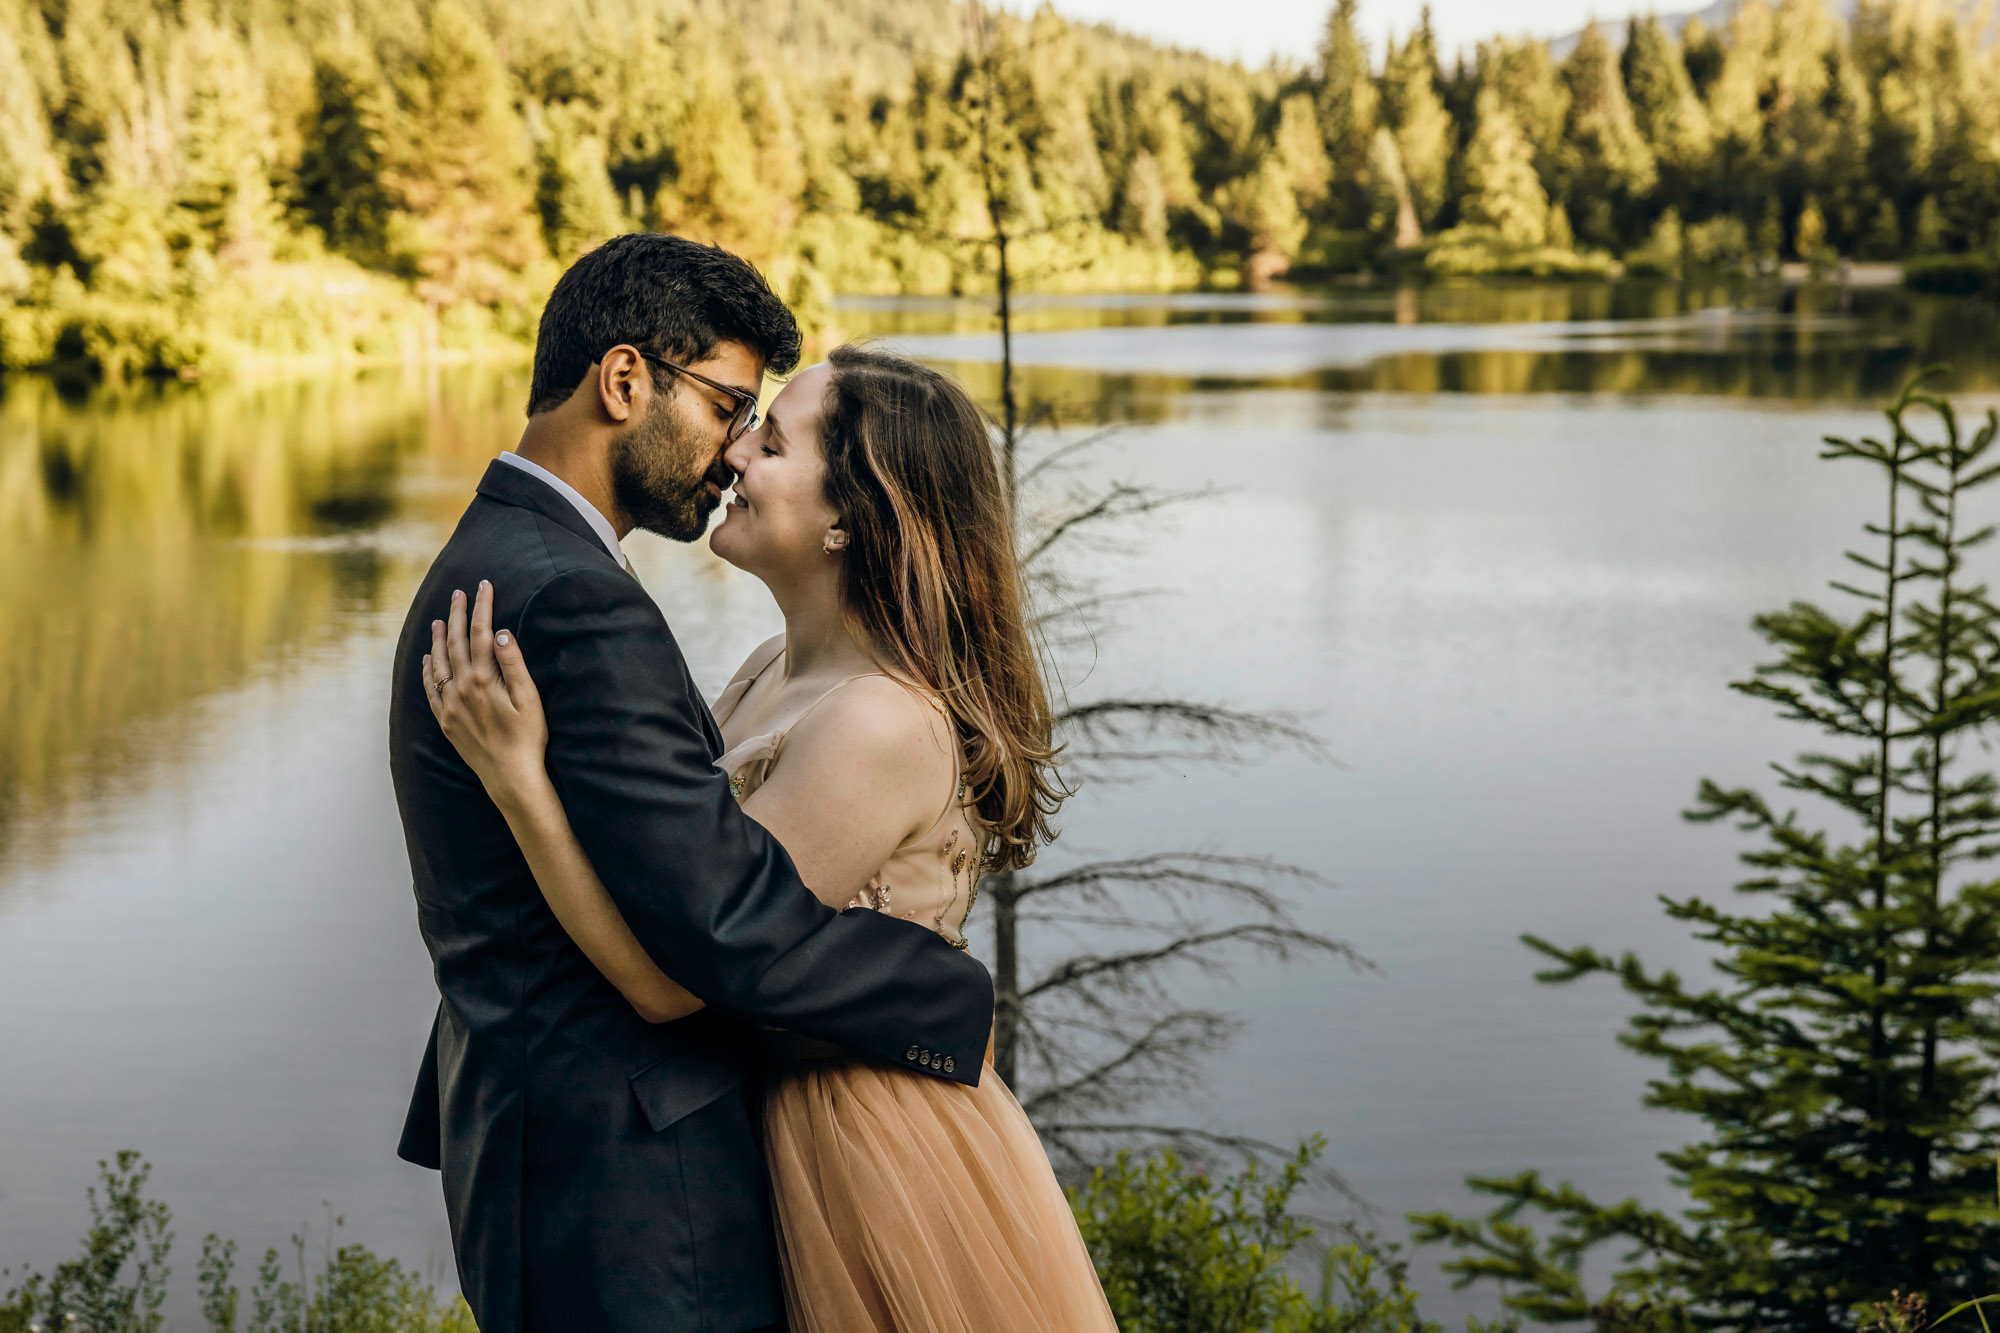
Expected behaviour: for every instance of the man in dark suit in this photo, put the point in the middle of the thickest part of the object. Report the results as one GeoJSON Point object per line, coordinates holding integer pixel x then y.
{"type": "Point", "coordinates": [602, 1172]}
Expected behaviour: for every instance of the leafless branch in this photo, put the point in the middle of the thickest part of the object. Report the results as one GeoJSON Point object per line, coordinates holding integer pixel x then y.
{"type": "Point", "coordinates": [1161, 1054]}
{"type": "Point", "coordinates": [1074, 447]}
{"type": "Point", "coordinates": [1105, 731]}
{"type": "Point", "coordinates": [1061, 1136]}
{"type": "Point", "coordinates": [1077, 608]}
{"type": "Point", "coordinates": [1280, 942]}
{"type": "Point", "coordinates": [1185, 870]}
{"type": "Point", "coordinates": [1123, 500]}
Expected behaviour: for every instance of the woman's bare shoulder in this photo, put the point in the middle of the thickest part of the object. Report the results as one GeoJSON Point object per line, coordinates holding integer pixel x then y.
{"type": "Point", "coordinates": [884, 725]}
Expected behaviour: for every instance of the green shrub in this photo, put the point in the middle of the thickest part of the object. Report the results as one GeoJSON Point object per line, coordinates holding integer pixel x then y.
{"type": "Point", "coordinates": [1481, 252]}
{"type": "Point", "coordinates": [1662, 254]}
{"type": "Point", "coordinates": [118, 1283]}
{"type": "Point", "coordinates": [1722, 242]}
{"type": "Point", "coordinates": [1181, 1252]}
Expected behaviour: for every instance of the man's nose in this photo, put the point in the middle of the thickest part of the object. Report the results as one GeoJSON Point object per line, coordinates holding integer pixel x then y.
{"type": "Point", "coordinates": [737, 452]}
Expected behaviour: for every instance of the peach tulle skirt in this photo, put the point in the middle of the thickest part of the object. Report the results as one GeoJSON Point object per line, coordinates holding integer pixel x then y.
{"type": "Point", "coordinates": [912, 1205]}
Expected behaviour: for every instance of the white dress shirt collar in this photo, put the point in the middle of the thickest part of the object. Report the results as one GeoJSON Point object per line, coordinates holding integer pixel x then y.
{"type": "Point", "coordinates": [598, 523]}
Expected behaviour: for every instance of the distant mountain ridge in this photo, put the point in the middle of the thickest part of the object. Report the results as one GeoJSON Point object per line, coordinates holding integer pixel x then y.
{"type": "Point", "coordinates": [1712, 16]}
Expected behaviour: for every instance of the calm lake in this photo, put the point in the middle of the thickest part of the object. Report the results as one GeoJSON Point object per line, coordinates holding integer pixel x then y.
{"type": "Point", "coordinates": [1499, 545]}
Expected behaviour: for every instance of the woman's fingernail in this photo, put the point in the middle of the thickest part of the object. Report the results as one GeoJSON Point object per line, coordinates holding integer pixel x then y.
{"type": "Point", "coordinates": [484, 585]}
{"type": "Point", "coordinates": [502, 638]}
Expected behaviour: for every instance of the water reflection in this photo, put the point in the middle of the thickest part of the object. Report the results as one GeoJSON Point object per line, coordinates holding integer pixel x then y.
{"type": "Point", "coordinates": [168, 544]}
{"type": "Point", "coordinates": [1799, 343]}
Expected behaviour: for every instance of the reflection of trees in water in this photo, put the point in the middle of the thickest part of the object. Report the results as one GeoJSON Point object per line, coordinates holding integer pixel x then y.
{"type": "Point", "coordinates": [165, 545]}
{"type": "Point", "coordinates": [1795, 343]}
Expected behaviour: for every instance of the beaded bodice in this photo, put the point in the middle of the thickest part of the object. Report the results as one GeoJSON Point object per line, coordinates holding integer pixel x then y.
{"type": "Point", "coordinates": [932, 878]}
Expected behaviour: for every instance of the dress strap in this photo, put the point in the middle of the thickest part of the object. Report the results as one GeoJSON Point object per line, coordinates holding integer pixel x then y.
{"type": "Point", "coordinates": [732, 694]}
{"type": "Point", "coordinates": [837, 687]}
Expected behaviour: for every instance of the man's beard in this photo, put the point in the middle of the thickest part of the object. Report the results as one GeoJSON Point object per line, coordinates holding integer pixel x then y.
{"type": "Point", "coordinates": [658, 477]}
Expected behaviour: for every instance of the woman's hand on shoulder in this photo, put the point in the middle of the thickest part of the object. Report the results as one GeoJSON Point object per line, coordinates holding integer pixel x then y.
{"type": "Point", "coordinates": [864, 772]}
{"type": "Point", "coordinates": [485, 701]}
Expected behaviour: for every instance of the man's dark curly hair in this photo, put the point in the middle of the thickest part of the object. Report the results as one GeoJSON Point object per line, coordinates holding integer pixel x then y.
{"type": "Point", "coordinates": [666, 295]}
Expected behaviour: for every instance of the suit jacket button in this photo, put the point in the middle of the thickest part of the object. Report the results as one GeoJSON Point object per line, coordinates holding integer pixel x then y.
{"type": "Point", "coordinates": [950, 1064]}
{"type": "Point", "coordinates": [924, 1059]}
{"type": "Point", "coordinates": [910, 1054]}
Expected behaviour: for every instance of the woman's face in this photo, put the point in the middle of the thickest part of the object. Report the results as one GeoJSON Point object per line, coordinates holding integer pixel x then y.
{"type": "Point", "coordinates": [778, 521]}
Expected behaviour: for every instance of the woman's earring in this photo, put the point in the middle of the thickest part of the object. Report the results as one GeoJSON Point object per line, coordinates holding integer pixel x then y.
{"type": "Point", "coordinates": [834, 543]}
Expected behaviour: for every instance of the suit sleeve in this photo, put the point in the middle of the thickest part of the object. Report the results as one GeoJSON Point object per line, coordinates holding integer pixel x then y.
{"type": "Point", "coordinates": [712, 896]}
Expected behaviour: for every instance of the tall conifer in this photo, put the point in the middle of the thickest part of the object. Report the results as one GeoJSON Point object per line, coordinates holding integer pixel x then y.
{"type": "Point", "coordinates": [1348, 107]}
{"type": "Point", "coordinates": [1415, 113]}
{"type": "Point", "coordinates": [1666, 108]}
{"type": "Point", "coordinates": [1521, 73]}
{"type": "Point", "coordinates": [1843, 1066]}
{"type": "Point", "coordinates": [461, 168]}
{"type": "Point", "coordinates": [1502, 190]}
{"type": "Point", "coordinates": [1604, 163]}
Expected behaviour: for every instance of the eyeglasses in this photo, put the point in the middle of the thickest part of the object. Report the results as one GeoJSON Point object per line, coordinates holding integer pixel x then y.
{"type": "Point", "coordinates": [747, 417]}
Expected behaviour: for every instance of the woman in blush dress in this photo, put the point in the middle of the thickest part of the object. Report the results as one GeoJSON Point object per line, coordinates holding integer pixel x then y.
{"type": "Point", "coordinates": [896, 740]}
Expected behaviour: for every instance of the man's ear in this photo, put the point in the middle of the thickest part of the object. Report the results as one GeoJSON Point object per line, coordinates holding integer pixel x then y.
{"type": "Point", "coordinates": [623, 383]}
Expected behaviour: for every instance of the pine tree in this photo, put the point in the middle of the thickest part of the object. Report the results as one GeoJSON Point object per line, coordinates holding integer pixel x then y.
{"type": "Point", "coordinates": [341, 187]}
{"type": "Point", "coordinates": [29, 170]}
{"type": "Point", "coordinates": [461, 168]}
{"type": "Point", "coordinates": [1666, 108]}
{"type": "Point", "coordinates": [1415, 113]}
{"type": "Point", "coordinates": [1809, 234]}
{"type": "Point", "coordinates": [1142, 211]}
{"type": "Point", "coordinates": [1884, 237]}
{"type": "Point", "coordinates": [1525, 79]}
{"type": "Point", "coordinates": [1846, 187]}
{"type": "Point", "coordinates": [1927, 234]}
{"type": "Point", "coordinates": [1561, 236]}
{"type": "Point", "coordinates": [573, 192]}
{"type": "Point", "coordinates": [223, 180]}
{"type": "Point", "coordinates": [1843, 1067]}
{"type": "Point", "coordinates": [1604, 163]}
{"type": "Point", "coordinates": [1301, 153]}
{"type": "Point", "coordinates": [715, 193]}
{"type": "Point", "coordinates": [1267, 210]}
{"type": "Point", "coordinates": [1502, 190]}
{"type": "Point", "coordinates": [1701, 53]}
{"type": "Point", "coordinates": [1348, 105]}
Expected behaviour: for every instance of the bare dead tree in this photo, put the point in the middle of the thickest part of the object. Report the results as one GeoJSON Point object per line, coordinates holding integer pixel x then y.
{"type": "Point", "coordinates": [1091, 1035]}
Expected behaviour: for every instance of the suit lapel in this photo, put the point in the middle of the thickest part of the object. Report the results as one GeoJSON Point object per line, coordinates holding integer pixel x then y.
{"type": "Point", "coordinates": [510, 485]}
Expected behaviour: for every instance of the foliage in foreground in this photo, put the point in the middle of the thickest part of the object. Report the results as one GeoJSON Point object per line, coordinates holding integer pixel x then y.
{"type": "Point", "coordinates": [1181, 1252]}
{"type": "Point", "coordinates": [1845, 1065]}
{"type": "Point", "coordinates": [118, 1283]}
{"type": "Point", "coordinates": [1178, 1252]}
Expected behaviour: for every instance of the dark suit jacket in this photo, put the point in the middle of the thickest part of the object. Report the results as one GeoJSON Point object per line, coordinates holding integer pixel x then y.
{"type": "Point", "coordinates": [600, 1172]}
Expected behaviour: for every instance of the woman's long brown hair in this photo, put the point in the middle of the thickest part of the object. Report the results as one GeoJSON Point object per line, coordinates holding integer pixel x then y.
{"type": "Point", "coordinates": [930, 579]}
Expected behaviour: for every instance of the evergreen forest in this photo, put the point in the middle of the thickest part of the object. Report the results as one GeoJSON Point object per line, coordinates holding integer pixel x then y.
{"type": "Point", "coordinates": [186, 184]}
